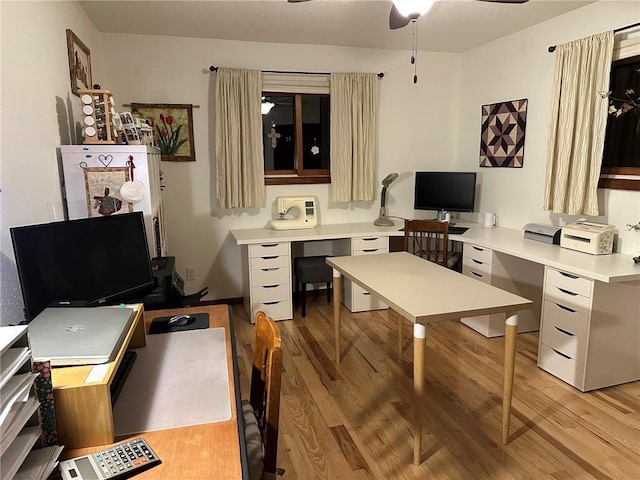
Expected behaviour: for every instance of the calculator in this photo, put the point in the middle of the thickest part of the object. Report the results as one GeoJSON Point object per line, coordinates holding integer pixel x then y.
{"type": "Point", "coordinates": [117, 462]}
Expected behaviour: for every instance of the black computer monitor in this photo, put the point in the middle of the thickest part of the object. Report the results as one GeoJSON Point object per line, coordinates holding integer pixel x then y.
{"type": "Point", "coordinates": [86, 262]}
{"type": "Point", "coordinates": [445, 191]}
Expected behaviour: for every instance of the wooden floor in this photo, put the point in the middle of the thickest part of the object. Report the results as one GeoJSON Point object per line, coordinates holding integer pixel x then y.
{"type": "Point", "coordinates": [354, 421]}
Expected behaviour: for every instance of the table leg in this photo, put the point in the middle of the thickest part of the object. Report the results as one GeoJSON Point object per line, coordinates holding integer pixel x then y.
{"type": "Point", "coordinates": [511, 334]}
{"type": "Point", "coordinates": [337, 294]}
{"type": "Point", "coordinates": [419, 345]}
{"type": "Point", "coordinates": [400, 332]}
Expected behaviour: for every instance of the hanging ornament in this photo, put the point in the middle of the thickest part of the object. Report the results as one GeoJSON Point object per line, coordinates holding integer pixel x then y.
{"type": "Point", "coordinates": [132, 191]}
{"type": "Point", "coordinates": [315, 150]}
{"type": "Point", "coordinates": [274, 136]}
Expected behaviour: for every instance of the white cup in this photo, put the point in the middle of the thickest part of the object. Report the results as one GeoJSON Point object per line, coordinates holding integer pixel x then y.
{"type": "Point", "coordinates": [488, 220]}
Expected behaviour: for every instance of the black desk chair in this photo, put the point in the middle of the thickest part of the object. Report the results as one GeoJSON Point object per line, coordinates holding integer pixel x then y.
{"type": "Point", "coordinates": [312, 270]}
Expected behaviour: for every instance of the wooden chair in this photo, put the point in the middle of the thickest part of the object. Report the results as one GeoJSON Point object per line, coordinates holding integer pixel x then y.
{"type": "Point", "coordinates": [429, 239]}
{"type": "Point", "coordinates": [261, 413]}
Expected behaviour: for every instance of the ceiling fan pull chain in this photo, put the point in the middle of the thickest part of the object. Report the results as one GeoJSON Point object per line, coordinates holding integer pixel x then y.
{"type": "Point", "coordinates": [414, 57]}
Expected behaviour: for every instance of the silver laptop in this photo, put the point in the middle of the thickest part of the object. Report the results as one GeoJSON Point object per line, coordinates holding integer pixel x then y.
{"type": "Point", "coordinates": [79, 335]}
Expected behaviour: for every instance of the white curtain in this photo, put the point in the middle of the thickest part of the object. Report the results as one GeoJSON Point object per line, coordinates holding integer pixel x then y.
{"type": "Point", "coordinates": [578, 124]}
{"type": "Point", "coordinates": [355, 100]}
{"type": "Point", "coordinates": [238, 134]}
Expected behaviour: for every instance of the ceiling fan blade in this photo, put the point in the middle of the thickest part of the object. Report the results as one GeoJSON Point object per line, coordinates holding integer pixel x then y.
{"type": "Point", "coordinates": [504, 1]}
{"type": "Point", "coordinates": [396, 19]}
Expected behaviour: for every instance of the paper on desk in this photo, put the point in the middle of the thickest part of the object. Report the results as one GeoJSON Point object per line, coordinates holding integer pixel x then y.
{"type": "Point", "coordinates": [16, 389]}
{"type": "Point", "coordinates": [18, 451]}
{"type": "Point", "coordinates": [19, 413]}
{"type": "Point", "coordinates": [39, 464]}
{"type": "Point", "coordinates": [11, 362]}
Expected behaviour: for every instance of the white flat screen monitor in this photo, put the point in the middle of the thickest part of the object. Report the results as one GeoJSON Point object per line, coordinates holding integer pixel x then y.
{"type": "Point", "coordinates": [86, 262]}
{"type": "Point", "coordinates": [445, 191]}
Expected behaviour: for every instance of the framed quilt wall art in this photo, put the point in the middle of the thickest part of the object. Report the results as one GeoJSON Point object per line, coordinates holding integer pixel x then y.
{"type": "Point", "coordinates": [502, 134]}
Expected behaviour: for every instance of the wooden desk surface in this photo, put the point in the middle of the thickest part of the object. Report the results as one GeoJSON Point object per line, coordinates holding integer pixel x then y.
{"type": "Point", "coordinates": [200, 451]}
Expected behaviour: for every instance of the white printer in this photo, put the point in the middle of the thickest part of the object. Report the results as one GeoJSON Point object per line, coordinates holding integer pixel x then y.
{"type": "Point", "coordinates": [542, 233]}
{"type": "Point", "coordinates": [588, 237]}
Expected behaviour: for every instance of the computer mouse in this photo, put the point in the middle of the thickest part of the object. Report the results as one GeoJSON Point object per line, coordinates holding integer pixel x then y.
{"type": "Point", "coordinates": [181, 320]}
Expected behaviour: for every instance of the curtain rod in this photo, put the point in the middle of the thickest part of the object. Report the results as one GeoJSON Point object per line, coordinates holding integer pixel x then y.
{"type": "Point", "coordinates": [552, 48]}
{"type": "Point", "coordinates": [214, 69]}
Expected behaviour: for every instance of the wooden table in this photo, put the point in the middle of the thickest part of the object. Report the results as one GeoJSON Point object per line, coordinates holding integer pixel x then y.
{"type": "Point", "coordinates": [213, 450]}
{"type": "Point", "coordinates": [423, 292]}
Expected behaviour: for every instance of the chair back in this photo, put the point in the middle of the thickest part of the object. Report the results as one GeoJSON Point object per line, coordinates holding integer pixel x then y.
{"type": "Point", "coordinates": [264, 397]}
{"type": "Point", "coordinates": [427, 239]}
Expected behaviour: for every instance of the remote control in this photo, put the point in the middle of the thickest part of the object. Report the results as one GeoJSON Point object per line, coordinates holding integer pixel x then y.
{"type": "Point", "coordinates": [117, 462]}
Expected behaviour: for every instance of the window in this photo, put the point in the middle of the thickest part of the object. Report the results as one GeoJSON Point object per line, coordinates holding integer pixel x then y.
{"type": "Point", "coordinates": [621, 157]}
{"type": "Point", "coordinates": [296, 129]}
{"type": "Point", "coordinates": [296, 138]}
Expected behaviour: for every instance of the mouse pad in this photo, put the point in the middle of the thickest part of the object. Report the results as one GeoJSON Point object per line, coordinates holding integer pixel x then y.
{"type": "Point", "coordinates": [161, 324]}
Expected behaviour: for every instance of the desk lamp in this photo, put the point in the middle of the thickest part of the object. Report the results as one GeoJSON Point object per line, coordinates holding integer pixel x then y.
{"type": "Point", "coordinates": [382, 220]}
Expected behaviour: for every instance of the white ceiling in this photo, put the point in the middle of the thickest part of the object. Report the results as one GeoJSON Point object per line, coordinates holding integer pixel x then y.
{"type": "Point", "coordinates": [450, 25]}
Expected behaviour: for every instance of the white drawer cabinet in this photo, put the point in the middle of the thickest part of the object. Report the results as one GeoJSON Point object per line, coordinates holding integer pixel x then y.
{"type": "Point", "coordinates": [268, 286]}
{"type": "Point", "coordinates": [590, 330]}
{"type": "Point", "coordinates": [508, 273]}
{"type": "Point", "coordinates": [476, 263]}
{"type": "Point", "coordinates": [355, 298]}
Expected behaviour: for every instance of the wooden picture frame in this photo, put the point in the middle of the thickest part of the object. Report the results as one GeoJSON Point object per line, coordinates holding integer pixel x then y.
{"type": "Point", "coordinates": [172, 129]}
{"type": "Point", "coordinates": [79, 63]}
{"type": "Point", "coordinates": [101, 183]}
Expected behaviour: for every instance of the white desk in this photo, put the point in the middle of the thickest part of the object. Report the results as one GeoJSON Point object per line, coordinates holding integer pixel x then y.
{"type": "Point", "coordinates": [267, 260]}
{"type": "Point", "coordinates": [423, 292]}
{"type": "Point", "coordinates": [588, 305]}
{"type": "Point", "coordinates": [603, 268]}
{"type": "Point", "coordinates": [597, 345]}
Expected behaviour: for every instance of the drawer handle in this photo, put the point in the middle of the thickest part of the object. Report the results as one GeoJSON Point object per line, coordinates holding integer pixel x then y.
{"type": "Point", "coordinates": [270, 269]}
{"type": "Point", "coordinates": [567, 292]}
{"type": "Point", "coordinates": [477, 248]}
{"type": "Point", "coordinates": [270, 257]}
{"type": "Point", "coordinates": [562, 354]}
{"type": "Point", "coordinates": [369, 239]}
{"type": "Point", "coordinates": [566, 308]}
{"type": "Point", "coordinates": [269, 245]}
{"type": "Point", "coordinates": [366, 293]}
{"type": "Point", "coordinates": [270, 286]}
{"type": "Point", "coordinates": [270, 303]}
{"type": "Point", "coordinates": [369, 250]}
{"type": "Point", "coordinates": [568, 275]}
{"type": "Point", "coordinates": [563, 331]}
{"type": "Point", "coordinates": [477, 274]}
{"type": "Point", "coordinates": [476, 261]}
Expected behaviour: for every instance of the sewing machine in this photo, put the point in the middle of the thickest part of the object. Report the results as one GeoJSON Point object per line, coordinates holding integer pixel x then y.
{"type": "Point", "coordinates": [294, 213]}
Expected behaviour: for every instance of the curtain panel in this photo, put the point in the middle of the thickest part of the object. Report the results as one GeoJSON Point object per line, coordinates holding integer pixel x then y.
{"type": "Point", "coordinates": [355, 101]}
{"type": "Point", "coordinates": [578, 124]}
{"type": "Point", "coordinates": [238, 135]}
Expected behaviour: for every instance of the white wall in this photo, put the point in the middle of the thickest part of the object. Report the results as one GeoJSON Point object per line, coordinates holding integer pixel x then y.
{"type": "Point", "coordinates": [417, 130]}
{"type": "Point", "coordinates": [38, 113]}
{"type": "Point", "coordinates": [431, 125]}
{"type": "Point", "coordinates": [519, 66]}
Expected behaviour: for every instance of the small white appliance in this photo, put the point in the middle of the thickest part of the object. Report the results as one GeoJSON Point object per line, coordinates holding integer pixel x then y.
{"type": "Point", "coordinates": [588, 237]}
{"type": "Point", "coordinates": [295, 213]}
{"type": "Point", "coordinates": [542, 233]}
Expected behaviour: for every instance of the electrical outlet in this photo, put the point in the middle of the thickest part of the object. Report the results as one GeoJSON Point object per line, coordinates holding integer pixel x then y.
{"type": "Point", "coordinates": [191, 273]}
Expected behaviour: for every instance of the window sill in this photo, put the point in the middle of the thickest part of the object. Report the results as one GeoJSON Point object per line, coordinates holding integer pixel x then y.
{"type": "Point", "coordinates": [306, 180]}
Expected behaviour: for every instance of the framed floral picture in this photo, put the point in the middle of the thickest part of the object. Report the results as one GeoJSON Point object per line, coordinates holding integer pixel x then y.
{"type": "Point", "coordinates": [79, 63]}
{"type": "Point", "coordinates": [172, 129]}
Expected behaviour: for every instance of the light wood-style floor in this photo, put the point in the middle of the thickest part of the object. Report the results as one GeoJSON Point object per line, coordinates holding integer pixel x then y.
{"type": "Point", "coordinates": [354, 421]}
